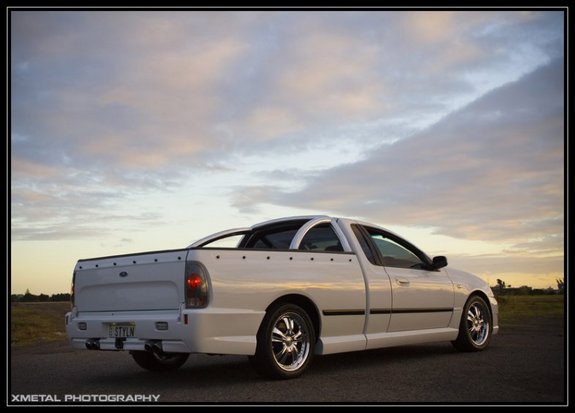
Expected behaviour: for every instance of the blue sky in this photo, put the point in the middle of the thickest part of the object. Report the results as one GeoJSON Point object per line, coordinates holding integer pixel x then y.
{"type": "Point", "coordinates": [147, 130]}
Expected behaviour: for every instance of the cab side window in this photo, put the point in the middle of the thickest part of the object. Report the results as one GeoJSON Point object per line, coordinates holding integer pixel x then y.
{"type": "Point", "coordinates": [393, 253]}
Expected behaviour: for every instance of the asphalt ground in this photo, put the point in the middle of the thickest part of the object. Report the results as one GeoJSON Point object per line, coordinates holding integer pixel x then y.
{"type": "Point", "coordinates": [525, 364]}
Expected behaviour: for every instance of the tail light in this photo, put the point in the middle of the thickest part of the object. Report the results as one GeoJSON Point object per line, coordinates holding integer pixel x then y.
{"type": "Point", "coordinates": [72, 298]}
{"type": "Point", "coordinates": [196, 285]}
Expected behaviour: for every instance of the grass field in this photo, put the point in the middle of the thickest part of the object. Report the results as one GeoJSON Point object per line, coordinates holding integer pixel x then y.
{"type": "Point", "coordinates": [43, 322]}
{"type": "Point", "coordinates": [514, 308]}
{"type": "Point", "coordinates": [37, 322]}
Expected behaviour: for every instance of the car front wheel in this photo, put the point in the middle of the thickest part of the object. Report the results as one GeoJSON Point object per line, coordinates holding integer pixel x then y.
{"type": "Point", "coordinates": [475, 327]}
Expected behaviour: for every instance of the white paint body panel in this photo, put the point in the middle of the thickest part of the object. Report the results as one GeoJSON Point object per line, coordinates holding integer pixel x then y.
{"type": "Point", "coordinates": [353, 299]}
{"type": "Point", "coordinates": [426, 295]}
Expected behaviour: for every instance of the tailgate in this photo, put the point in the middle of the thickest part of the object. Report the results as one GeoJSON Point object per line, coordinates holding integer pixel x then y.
{"type": "Point", "coordinates": [150, 281]}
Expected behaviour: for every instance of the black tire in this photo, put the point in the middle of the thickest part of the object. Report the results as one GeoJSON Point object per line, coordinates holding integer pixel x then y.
{"type": "Point", "coordinates": [152, 362]}
{"type": "Point", "coordinates": [475, 327]}
{"type": "Point", "coordinates": [285, 343]}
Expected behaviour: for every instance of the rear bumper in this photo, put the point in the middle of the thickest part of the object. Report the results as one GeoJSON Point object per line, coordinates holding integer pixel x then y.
{"type": "Point", "coordinates": [214, 331]}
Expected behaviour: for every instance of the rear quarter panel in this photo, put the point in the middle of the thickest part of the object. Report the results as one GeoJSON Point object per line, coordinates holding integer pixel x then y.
{"type": "Point", "coordinates": [252, 280]}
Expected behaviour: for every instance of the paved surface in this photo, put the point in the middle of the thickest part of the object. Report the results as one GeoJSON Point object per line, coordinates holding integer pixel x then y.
{"type": "Point", "coordinates": [524, 364]}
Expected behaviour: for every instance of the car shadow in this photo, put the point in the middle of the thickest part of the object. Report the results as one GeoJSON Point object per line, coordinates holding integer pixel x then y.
{"type": "Point", "coordinates": [203, 371]}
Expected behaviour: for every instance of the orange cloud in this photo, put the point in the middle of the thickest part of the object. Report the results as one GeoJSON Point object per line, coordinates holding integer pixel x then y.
{"type": "Point", "coordinates": [22, 168]}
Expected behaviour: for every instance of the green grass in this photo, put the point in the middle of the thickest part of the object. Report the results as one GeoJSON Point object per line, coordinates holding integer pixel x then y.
{"type": "Point", "coordinates": [37, 322]}
{"type": "Point", "coordinates": [514, 308]}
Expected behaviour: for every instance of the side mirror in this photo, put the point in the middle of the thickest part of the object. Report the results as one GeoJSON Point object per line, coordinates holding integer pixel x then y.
{"type": "Point", "coordinates": [439, 262]}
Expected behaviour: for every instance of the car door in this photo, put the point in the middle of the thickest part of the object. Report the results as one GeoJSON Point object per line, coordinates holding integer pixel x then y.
{"type": "Point", "coordinates": [422, 296]}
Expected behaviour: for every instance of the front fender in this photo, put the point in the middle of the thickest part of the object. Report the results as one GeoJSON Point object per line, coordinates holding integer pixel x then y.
{"type": "Point", "coordinates": [466, 284]}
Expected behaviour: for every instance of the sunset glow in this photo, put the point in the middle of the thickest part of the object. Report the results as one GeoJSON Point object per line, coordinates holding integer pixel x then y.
{"type": "Point", "coordinates": [147, 130]}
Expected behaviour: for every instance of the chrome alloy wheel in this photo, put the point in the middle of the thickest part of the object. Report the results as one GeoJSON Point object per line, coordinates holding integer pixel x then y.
{"type": "Point", "coordinates": [290, 341]}
{"type": "Point", "coordinates": [478, 323]}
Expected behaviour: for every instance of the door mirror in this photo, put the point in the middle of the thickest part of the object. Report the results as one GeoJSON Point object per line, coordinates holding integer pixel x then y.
{"type": "Point", "coordinates": [439, 262]}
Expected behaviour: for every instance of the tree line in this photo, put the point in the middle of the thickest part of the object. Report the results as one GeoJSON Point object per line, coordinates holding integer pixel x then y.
{"type": "Point", "coordinates": [33, 298]}
{"type": "Point", "coordinates": [502, 288]}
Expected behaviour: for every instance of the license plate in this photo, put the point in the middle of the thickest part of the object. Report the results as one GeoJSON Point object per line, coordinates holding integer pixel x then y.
{"type": "Point", "coordinates": [121, 330]}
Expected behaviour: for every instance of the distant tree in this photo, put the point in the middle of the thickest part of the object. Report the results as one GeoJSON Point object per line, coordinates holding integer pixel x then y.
{"type": "Point", "coordinates": [500, 286]}
{"type": "Point", "coordinates": [15, 298]}
{"type": "Point", "coordinates": [28, 297]}
{"type": "Point", "coordinates": [560, 286]}
{"type": "Point", "coordinates": [525, 290]}
{"type": "Point", "coordinates": [60, 297]}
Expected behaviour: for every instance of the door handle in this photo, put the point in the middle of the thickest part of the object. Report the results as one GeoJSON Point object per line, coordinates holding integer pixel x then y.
{"type": "Point", "coordinates": [402, 281]}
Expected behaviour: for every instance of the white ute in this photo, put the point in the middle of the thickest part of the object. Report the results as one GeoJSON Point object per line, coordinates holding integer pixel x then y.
{"type": "Point", "coordinates": [289, 289]}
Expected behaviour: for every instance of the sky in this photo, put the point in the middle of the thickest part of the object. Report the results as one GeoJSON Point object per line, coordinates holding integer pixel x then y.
{"type": "Point", "coordinates": [147, 130]}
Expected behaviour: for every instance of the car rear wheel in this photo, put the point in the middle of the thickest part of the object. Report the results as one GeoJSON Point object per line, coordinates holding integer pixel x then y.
{"type": "Point", "coordinates": [154, 362]}
{"type": "Point", "coordinates": [284, 343]}
{"type": "Point", "coordinates": [475, 327]}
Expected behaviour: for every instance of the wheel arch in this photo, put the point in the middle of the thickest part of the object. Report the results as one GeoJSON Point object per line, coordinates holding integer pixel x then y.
{"type": "Point", "coordinates": [305, 303]}
{"type": "Point", "coordinates": [481, 294]}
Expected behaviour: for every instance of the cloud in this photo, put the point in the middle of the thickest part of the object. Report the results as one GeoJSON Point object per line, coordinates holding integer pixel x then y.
{"type": "Point", "coordinates": [490, 171]}
{"type": "Point", "coordinates": [244, 199]}
{"type": "Point", "coordinates": [430, 27]}
{"type": "Point", "coordinates": [154, 88]}
{"type": "Point", "coordinates": [122, 101]}
{"type": "Point", "coordinates": [110, 106]}
{"type": "Point", "coordinates": [314, 75]}
{"type": "Point", "coordinates": [333, 73]}
{"type": "Point", "coordinates": [270, 122]}
{"type": "Point", "coordinates": [27, 168]}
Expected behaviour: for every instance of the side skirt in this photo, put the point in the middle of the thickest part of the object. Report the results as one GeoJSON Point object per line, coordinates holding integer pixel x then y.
{"type": "Point", "coordinates": [402, 338]}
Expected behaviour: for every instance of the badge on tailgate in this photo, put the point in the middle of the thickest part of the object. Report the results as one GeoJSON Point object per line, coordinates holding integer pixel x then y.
{"type": "Point", "coordinates": [124, 329]}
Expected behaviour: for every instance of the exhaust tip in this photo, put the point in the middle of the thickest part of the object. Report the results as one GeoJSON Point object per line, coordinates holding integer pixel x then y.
{"type": "Point", "coordinates": [154, 347]}
{"type": "Point", "coordinates": [93, 344]}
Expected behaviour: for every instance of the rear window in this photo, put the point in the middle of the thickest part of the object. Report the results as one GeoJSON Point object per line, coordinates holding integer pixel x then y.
{"type": "Point", "coordinates": [275, 240]}
{"type": "Point", "coordinates": [320, 238]}
{"type": "Point", "coordinates": [273, 236]}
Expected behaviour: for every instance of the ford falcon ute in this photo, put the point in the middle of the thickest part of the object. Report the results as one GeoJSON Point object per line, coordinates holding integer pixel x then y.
{"type": "Point", "coordinates": [280, 292]}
